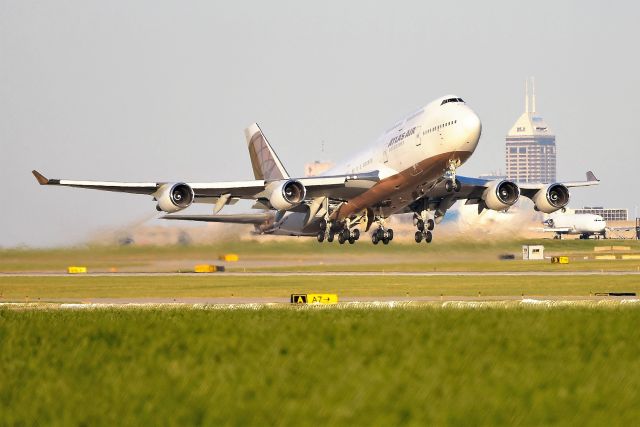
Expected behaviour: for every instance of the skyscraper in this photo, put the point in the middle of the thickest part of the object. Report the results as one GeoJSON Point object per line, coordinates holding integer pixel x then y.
{"type": "Point", "coordinates": [531, 146]}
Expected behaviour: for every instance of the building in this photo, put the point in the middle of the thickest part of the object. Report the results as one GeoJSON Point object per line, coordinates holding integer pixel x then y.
{"type": "Point", "coordinates": [316, 168]}
{"type": "Point", "coordinates": [493, 176]}
{"type": "Point", "coordinates": [531, 147]}
{"type": "Point", "coordinates": [606, 214]}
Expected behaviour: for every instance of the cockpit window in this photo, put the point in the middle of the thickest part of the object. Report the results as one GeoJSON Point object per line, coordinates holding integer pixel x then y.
{"type": "Point", "coordinates": [451, 100]}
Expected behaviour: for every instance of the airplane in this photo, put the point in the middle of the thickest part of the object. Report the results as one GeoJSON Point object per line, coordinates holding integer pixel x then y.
{"type": "Point", "coordinates": [584, 225]}
{"type": "Point", "coordinates": [410, 168]}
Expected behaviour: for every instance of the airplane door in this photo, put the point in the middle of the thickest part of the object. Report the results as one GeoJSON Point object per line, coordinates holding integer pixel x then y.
{"type": "Point", "coordinates": [418, 135]}
{"type": "Point", "coordinates": [385, 155]}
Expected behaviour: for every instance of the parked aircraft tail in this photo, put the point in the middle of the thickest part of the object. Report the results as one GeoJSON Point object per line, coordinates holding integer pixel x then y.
{"type": "Point", "coordinates": [265, 162]}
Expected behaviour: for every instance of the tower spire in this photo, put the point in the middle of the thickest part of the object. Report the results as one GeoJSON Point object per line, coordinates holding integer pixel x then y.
{"type": "Point", "coordinates": [526, 95]}
{"type": "Point", "coordinates": [533, 94]}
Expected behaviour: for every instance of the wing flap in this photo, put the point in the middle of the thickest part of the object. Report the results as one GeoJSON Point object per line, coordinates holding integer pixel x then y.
{"type": "Point", "coordinates": [256, 218]}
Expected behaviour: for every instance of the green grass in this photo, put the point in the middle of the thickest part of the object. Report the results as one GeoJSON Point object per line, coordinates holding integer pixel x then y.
{"type": "Point", "coordinates": [295, 252]}
{"type": "Point", "coordinates": [72, 288]}
{"type": "Point", "coordinates": [320, 367]}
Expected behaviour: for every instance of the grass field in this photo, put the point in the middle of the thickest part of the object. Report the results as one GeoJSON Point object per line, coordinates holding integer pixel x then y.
{"type": "Point", "coordinates": [306, 254]}
{"type": "Point", "coordinates": [330, 367]}
{"type": "Point", "coordinates": [218, 286]}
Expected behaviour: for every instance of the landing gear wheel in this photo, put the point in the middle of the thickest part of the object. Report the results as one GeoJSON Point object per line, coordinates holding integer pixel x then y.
{"type": "Point", "coordinates": [428, 237]}
{"type": "Point", "coordinates": [330, 237]}
{"type": "Point", "coordinates": [374, 238]}
{"type": "Point", "coordinates": [430, 224]}
{"type": "Point", "coordinates": [420, 225]}
{"type": "Point", "coordinates": [380, 233]}
{"type": "Point", "coordinates": [323, 225]}
{"type": "Point", "coordinates": [457, 186]}
{"type": "Point", "coordinates": [321, 237]}
{"type": "Point", "coordinates": [385, 241]}
{"type": "Point", "coordinates": [390, 234]}
{"type": "Point", "coordinates": [418, 236]}
{"type": "Point", "coordinates": [356, 234]}
{"type": "Point", "coordinates": [448, 186]}
{"type": "Point", "coordinates": [351, 240]}
{"type": "Point", "coordinates": [341, 238]}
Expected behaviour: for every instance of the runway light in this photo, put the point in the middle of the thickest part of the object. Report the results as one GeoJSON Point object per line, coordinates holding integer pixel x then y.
{"type": "Point", "coordinates": [76, 270]}
{"type": "Point", "coordinates": [229, 257]}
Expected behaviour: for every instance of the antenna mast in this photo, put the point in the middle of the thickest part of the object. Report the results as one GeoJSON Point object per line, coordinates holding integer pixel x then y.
{"type": "Point", "coordinates": [526, 95]}
{"type": "Point", "coordinates": [533, 94]}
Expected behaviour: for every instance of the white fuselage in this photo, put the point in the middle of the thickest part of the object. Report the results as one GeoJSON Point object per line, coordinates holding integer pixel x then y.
{"type": "Point", "coordinates": [577, 223]}
{"type": "Point", "coordinates": [410, 156]}
{"type": "Point", "coordinates": [433, 130]}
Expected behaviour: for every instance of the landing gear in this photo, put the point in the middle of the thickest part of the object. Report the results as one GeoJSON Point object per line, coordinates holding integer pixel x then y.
{"type": "Point", "coordinates": [382, 235]}
{"type": "Point", "coordinates": [425, 225]}
{"type": "Point", "coordinates": [321, 237]}
{"type": "Point", "coordinates": [452, 183]}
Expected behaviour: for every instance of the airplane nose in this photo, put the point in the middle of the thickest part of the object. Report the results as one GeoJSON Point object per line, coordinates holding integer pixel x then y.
{"type": "Point", "coordinates": [473, 129]}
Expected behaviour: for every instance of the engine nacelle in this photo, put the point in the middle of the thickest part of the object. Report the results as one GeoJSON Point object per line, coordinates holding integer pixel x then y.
{"type": "Point", "coordinates": [501, 195]}
{"type": "Point", "coordinates": [287, 195]}
{"type": "Point", "coordinates": [174, 197]}
{"type": "Point", "coordinates": [551, 199]}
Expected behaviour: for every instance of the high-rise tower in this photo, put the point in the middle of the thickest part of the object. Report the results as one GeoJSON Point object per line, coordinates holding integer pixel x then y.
{"type": "Point", "coordinates": [531, 146]}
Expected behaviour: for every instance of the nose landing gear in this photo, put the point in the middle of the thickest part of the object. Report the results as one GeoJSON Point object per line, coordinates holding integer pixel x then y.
{"type": "Point", "coordinates": [452, 183]}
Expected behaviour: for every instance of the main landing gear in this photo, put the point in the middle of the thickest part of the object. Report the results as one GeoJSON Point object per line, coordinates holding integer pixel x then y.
{"type": "Point", "coordinates": [382, 235]}
{"type": "Point", "coordinates": [344, 234]}
{"type": "Point", "coordinates": [425, 226]}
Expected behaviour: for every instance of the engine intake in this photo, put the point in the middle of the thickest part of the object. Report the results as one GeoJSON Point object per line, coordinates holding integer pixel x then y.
{"type": "Point", "coordinates": [287, 195]}
{"type": "Point", "coordinates": [174, 197]}
{"type": "Point", "coordinates": [552, 198]}
{"type": "Point", "coordinates": [500, 195]}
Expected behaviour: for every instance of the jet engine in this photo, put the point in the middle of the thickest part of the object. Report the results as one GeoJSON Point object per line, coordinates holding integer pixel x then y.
{"type": "Point", "coordinates": [551, 199]}
{"type": "Point", "coordinates": [500, 195]}
{"type": "Point", "coordinates": [287, 195]}
{"type": "Point", "coordinates": [174, 197]}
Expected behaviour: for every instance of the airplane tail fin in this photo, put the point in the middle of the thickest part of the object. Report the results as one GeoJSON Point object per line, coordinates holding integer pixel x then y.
{"type": "Point", "coordinates": [264, 161]}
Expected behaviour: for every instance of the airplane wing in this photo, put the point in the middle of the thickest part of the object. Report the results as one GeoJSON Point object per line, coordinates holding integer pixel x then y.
{"type": "Point", "coordinates": [336, 187]}
{"type": "Point", "coordinates": [472, 188]}
{"type": "Point", "coordinates": [255, 218]}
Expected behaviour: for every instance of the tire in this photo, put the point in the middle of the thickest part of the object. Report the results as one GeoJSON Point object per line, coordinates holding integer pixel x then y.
{"type": "Point", "coordinates": [351, 240]}
{"type": "Point", "coordinates": [323, 225]}
{"type": "Point", "coordinates": [428, 237]}
{"type": "Point", "coordinates": [457, 186]}
{"type": "Point", "coordinates": [430, 224]}
{"type": "Point", "coordinates": [418, 236]}
{"type": "Point", "coordinates": [341, 239]}
{"type": "Point", "coordinates": [385, 241]}
{"type": "Point", "coordinates": [374, 238]}
{"type": "Point", "coordinates": [330, 237]}
{"type": "Point", "coordinates": [390, 234]}
{"type": "Point", "coordinates": [420, 225]}
{"type": "Point", "coordinates": [380, 233]}
{"type": "Point", "coordinates": [448, 186]}
{"type": "Point", "coordinates": [356, 234]}
{"type": "Point", "coordinates": [320, 237]}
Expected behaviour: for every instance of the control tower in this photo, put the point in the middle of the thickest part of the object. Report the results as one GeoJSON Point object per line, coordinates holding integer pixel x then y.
{"type": "Point", "coordinates": [531, 146]}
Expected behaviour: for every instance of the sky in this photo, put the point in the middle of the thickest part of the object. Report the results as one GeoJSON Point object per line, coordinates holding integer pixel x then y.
{"type": "Point", "coordinates": [162, 90]}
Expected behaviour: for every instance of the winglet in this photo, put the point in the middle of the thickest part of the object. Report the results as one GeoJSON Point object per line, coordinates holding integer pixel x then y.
{"type": "Point", "coordinates": [591, 177]}
{"type": "Point", "coordinates": [42, 180]}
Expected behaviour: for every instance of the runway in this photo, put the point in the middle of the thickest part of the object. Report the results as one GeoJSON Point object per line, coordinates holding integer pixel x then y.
{"type": "Point", "coordinates": [336, 274]}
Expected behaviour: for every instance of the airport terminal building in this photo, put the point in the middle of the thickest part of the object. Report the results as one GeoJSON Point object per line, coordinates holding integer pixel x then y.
{"type": "Point", "coordinates": [606, 213]}
{"type": "Point", "coordinates": [531, 148]}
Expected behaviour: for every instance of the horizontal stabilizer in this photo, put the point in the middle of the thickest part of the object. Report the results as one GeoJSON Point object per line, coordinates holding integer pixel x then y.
{"type": "Point", "coordinates": [256, 218]}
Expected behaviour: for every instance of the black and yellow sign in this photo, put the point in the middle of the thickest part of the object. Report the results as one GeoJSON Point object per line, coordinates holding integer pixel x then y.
{"type": "Point", "coordinates": [298, 298]}
{"type": "Point", "coordinates": [314, 298]}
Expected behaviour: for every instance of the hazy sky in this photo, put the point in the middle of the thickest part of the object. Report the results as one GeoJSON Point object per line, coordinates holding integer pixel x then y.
{"type": "Point", "coordinates": [156, 90]}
